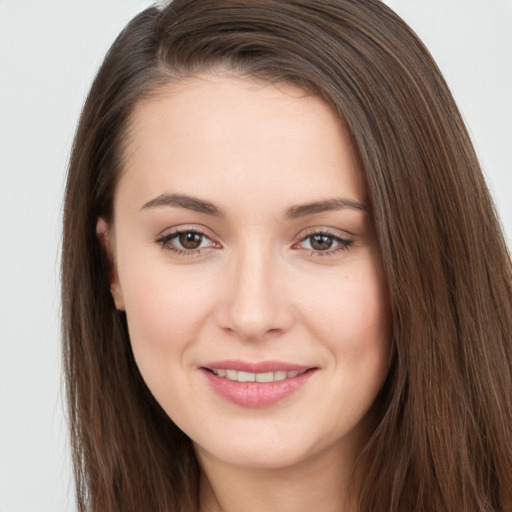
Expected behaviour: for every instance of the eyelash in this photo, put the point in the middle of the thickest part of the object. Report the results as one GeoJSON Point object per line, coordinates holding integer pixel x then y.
{"type": "Point", "coordinates": [165, 242]}
{"type": "Point", "coordinates": [343, 243]}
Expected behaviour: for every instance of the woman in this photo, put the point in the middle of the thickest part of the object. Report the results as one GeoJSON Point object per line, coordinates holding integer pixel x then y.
{"type": "Point", "coordinates": [284, 284]}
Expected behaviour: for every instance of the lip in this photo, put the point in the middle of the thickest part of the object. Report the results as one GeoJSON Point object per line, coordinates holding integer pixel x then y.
{"type": "Point", "coordinates": [256, 394]}
{"type": "Point", "coordinates": [256, 367]}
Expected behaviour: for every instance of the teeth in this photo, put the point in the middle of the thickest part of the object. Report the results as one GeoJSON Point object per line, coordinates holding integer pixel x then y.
{"type": "Point", "coordinates": [231, 374]}
{"type": "Point", "coordinates": [256, 377]}
{"type": "Point", "coordinates": [246, 377]}
{"type": "Point", "coordinates": [265, 377]}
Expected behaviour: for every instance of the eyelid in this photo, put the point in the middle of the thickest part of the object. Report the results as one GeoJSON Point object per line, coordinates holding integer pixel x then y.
{"type": "Point", "coordinates": [186, 228]}
{"type": "Point", "coordinates": [164, 238]}
{"type": "Point", "coordinates": [344, 241]}
{"type": "Point", "coordinates": [322, 230]}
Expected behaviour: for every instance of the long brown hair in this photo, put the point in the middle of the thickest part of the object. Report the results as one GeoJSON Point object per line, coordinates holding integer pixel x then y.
{"type": "Point", "coordinates": [443, 435]}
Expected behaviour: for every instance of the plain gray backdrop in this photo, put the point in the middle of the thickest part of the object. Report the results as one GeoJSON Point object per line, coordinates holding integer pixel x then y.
{"type": "Point", "coordinates": [49, 52]}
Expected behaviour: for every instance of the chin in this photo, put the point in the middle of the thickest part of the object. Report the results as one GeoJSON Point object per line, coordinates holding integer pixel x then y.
{"type": "Point", "coordinates": [270, 450]}
{"type": "Point", "coordinates": [250, 455]}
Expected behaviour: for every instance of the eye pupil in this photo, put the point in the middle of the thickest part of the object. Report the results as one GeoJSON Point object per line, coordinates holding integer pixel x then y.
{"type": "Point", "coordinates": [190, 240]}
{"type": "Point", "coordinates": [321, 242]}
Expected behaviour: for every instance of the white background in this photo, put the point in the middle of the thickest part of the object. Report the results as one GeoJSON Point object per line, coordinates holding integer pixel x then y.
{"type": "Point", "coordinates": [49, 51]}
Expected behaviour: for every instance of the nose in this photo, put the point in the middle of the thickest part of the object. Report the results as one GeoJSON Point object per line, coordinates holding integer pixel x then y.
{"type": "Point", "coordinates": [255, 302]}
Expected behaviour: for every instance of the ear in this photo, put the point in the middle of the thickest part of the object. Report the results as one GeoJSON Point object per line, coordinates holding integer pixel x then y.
{"type": "Point", "coordinates": [103, 233]}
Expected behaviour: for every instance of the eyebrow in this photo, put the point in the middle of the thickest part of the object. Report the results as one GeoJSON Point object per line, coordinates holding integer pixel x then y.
{"type": "Point", "coordinates": [183, 201]}
{"type": "Point", "coordinates": [304, 210]}
{"type": "Point", "coordinates": [295, 212]}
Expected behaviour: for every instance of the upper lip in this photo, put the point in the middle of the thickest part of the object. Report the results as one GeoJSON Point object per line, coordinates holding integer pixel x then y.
{"type": "Point", "coordinates": [256, 367]}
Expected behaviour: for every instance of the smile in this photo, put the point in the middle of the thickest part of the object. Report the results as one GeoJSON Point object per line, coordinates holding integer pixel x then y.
{"type": "Point", "coordinates": [241, 376]}
{"type": "Point", "coordinates": [256, 385]}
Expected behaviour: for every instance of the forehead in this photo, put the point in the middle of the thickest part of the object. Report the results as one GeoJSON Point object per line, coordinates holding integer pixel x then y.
{"type": "Point", "coordinates": [225, 135]}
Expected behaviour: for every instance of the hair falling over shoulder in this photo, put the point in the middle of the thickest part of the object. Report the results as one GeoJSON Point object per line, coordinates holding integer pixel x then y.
{"type": "Point", "coordinates": [443, 419]}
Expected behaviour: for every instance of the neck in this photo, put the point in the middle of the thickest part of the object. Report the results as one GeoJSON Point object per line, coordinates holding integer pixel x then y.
{"type": "Point", "coordinates": [317, 483]}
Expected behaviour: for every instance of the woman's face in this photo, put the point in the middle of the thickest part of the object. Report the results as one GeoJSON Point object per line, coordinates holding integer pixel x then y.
{"type": "Point", "coordinates": [249, 271]}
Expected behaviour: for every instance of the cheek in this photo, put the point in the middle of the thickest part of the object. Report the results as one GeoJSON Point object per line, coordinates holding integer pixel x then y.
{"type": "Point", "coordinates": [351, 318]}
{"type": "Point", "coordinates": [351, 311]}
{"type": "Point", "coordinates": [166, 308]}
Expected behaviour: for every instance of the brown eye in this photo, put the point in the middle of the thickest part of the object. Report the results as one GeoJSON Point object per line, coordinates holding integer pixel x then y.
{"type": "Point", "coordinates": [190, 240]}
{"type": "Point", "coordinates": [187, 242]}
{"type": "Point", "coordinates": [324, 244]}
{"type": "Point", "coordinates": [321, 242]}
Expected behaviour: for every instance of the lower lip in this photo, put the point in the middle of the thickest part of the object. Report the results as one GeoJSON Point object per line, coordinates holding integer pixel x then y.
{"type": "Point", "coordinates": [256, 394]}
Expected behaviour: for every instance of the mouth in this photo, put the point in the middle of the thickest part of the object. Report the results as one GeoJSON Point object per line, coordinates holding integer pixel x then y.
{"type": "Point", "coordinates": [262, 377]}
{"type": "Point", "coordinates": [256, 385]}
